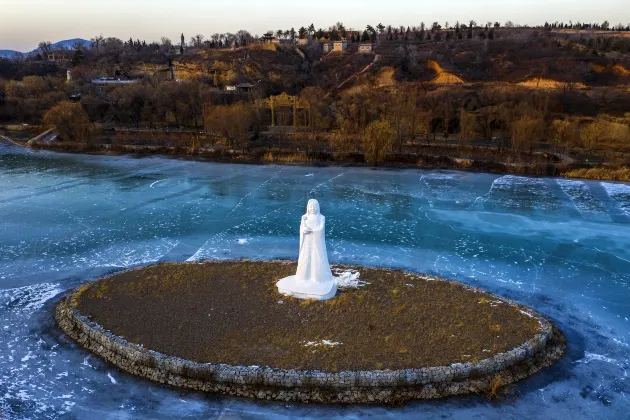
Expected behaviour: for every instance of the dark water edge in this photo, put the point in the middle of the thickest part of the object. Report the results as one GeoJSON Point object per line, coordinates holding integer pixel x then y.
{"type": "Point", "coordinates": [320, 159]}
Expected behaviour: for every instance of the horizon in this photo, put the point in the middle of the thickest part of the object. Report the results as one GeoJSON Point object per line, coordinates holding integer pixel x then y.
{"type": "Point", "coordinates": [150, 21]}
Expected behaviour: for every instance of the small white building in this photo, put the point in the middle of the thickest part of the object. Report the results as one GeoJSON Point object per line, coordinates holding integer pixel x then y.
{"type": "Point", "coordinates": [365, 48]}
{"type": "Point", "coordinates": [340, 46]}
{"type": "Point", "coordinates": [114, 81]}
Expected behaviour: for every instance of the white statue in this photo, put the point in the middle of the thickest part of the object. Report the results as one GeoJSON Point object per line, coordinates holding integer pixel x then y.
{"type": "Point", "coordinates": [313, 279]}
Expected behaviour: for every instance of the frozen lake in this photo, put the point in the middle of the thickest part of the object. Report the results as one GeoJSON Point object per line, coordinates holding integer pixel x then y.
{"type": "Point", "coordinates": [560, 246]}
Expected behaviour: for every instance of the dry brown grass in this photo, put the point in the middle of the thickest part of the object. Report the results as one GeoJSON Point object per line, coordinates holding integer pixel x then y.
{"type": "Point", "coordinates": [493, 388]}
{"type": "Point", "coordinates": [292, 158]}
{"type": "Point", "coordinates": [231, 312]}
{"type": "Point", "coordinates": [620, 174]}
{"type": "Point", "coordinates": [262, 47]}
{"type": "Point", "coordinates": [543, 83]}
{"type": "Point", "coordinates": [598, 68]}
{"type": "Point", "coordinates": [620, 70]}
{"type": "Point", "coordinates": [385, 77]}
{"type": "Point", "coordinates": [443, 77]}
{"type": "Point", "coordinates": [79, 293]}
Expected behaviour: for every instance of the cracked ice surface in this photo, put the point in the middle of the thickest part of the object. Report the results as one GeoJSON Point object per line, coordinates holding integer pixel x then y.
{"type": "Point", "coordinates": [560, 246]}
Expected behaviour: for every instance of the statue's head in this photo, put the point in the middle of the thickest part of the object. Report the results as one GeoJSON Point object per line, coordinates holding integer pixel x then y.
{"type": "Point", "coordinates": [312, 207]}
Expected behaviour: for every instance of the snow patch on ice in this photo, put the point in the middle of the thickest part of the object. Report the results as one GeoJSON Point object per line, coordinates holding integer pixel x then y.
{"type": "Point", "coordinates": [325, 343]}
{"type": "Point", "coordinates": [589, 357]}
{"type": "Point", "coordinates": [30, 298]}
{"type": "Point", "coordinates": [620, 193]}
{"type": "Point", "coordinates": [28, 356]}
{"type": "Point", "coordinates": [581, 197]}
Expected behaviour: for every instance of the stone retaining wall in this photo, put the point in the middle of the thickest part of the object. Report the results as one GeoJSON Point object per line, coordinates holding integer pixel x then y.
{"type": "Point", "coordinates": [315, 386]}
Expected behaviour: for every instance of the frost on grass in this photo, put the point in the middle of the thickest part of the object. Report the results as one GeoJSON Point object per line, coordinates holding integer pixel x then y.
{"type": "Point", "coordinates": [321, 343]}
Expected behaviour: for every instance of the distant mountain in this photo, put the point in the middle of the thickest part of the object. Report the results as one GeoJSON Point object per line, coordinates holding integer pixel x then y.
{"type": "Point", "coordinates": [69, 43]}
{"type": "Point", "coordinates": [8, 53]}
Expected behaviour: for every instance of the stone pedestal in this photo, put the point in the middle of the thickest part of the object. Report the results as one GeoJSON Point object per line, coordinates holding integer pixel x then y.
{"type": "Point", "coordinates": [292, 286]}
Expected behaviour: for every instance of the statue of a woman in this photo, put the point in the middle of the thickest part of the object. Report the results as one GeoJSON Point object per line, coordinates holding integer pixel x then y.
{"type": "Point", "coordinates": [313, 279]}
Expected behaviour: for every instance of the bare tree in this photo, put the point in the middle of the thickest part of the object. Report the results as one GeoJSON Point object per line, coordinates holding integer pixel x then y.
{"type": "Point", "coordinates": [97, 41]}
{"type": "Point", "coordinates": [44, 47]}
{"type": "Point", "coordinates": [377, 140]}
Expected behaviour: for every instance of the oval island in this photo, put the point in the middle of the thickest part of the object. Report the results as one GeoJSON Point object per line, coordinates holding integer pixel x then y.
{"type": "Point", "coordinates": [223, 327]}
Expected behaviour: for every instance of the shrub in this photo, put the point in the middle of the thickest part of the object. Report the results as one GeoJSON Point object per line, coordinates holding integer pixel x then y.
{"type": "Point", "coordinates": [71, 122]}
{"type": "Point", "coordinates": [377, 140]}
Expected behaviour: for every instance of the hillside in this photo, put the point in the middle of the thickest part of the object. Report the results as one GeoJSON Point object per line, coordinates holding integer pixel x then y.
{"type": "Point", "coordinates": [510, 59]}
{"type": "Point", "coordinates": [69, 44]}
{"type": "Point", "coordinates": [511, 95]}
{"type": "Point", "coordinates": [60, 45]}
{"type": "Point", "coordinates": [8, 53]}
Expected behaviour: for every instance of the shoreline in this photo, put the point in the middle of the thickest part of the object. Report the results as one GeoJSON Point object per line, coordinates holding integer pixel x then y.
{"type": "Point", "coordinates": [280, 157]}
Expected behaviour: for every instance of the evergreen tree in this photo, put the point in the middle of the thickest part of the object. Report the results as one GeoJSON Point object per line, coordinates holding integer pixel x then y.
{"type": "Point", "coordinates": [78, 57]}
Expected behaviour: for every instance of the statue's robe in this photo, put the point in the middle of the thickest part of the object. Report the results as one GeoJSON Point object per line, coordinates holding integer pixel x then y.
{"type": "Point", "coordinates": [313, 261]}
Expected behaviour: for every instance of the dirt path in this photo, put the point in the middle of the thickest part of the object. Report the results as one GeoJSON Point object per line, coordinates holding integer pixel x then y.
{"type": "Point", "coordinates": [366, 68]}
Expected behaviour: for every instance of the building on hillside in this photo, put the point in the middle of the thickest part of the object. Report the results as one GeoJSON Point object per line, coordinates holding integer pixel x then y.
{"type": "Point", "coordinates": [56, 57]}
{"type": "Point", "coordinates": [113, 81]}
{"type": "Point", "coordinates": [240, 88]}
{"type": "Point", "coordinates": [327, 47]}
{"type": "Point", "coordinates": [103, 83]}
{"type": "Point", "coordinates": [244, 87]}
{"type": "Point", "coordinates": [340, 46]}
{"type": "Point", "coordinates": [269, 39]}
{"type": "Point", "coordinates": [365, 48]}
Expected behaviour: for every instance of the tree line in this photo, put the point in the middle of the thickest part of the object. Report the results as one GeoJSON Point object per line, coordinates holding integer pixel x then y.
{"type": "Point", "coordinates": [369, 122]}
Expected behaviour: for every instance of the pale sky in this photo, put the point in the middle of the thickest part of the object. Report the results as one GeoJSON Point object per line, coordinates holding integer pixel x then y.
{"type": "Point", "coordinates": [23, 23]}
